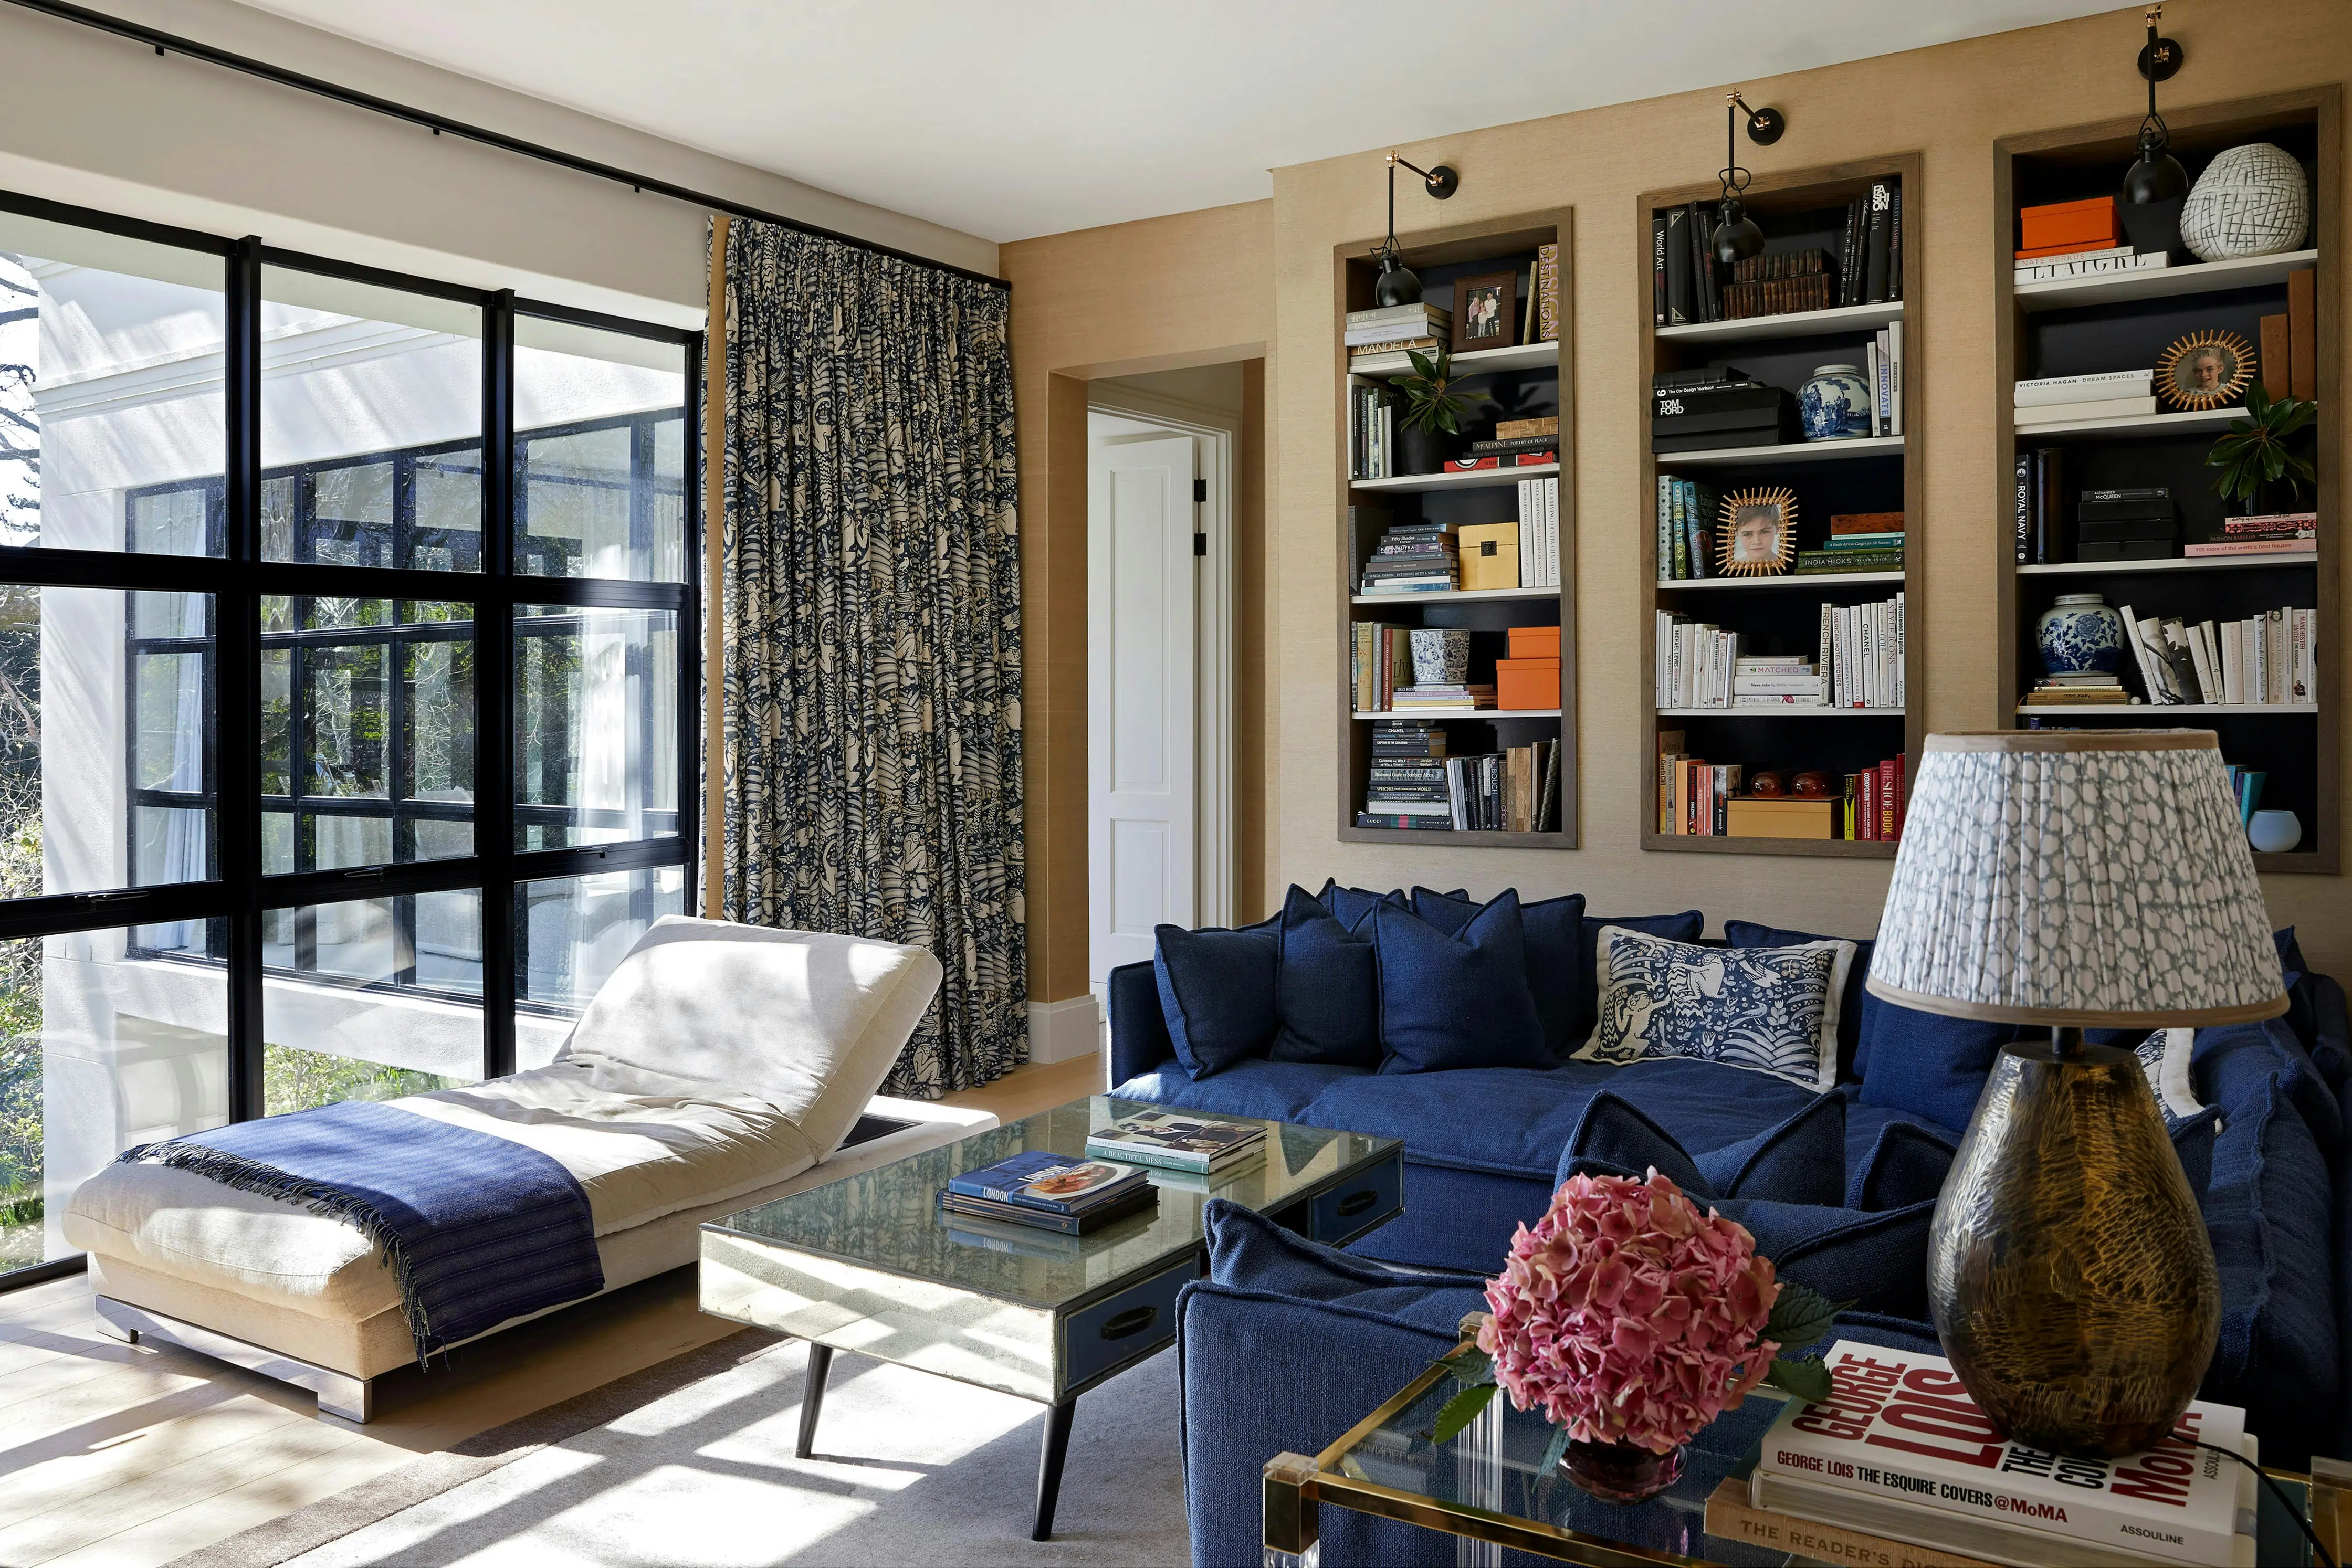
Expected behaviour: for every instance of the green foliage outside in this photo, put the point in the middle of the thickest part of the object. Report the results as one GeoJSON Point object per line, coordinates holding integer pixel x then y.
{"type": "Point", "coordinates": [20, 961]}
{"type": "Point", "coordinates": [295, 1079]}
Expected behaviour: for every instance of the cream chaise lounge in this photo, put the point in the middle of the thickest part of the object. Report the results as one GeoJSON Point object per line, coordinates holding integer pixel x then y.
{"type": "Point", "coordinates": [720, 1066]}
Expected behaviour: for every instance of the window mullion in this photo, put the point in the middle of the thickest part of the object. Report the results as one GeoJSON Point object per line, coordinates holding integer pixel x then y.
{"type": "Point", "coordinates": [494, 729]}
{"type": "Point", "coordinates": [238, 819]}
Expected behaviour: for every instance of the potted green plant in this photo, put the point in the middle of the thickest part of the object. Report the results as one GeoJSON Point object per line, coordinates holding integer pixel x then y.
{"type": "Point", "coordinates": [2253, 453]}
{"type": "Point", "coordinates": [1433, 409]}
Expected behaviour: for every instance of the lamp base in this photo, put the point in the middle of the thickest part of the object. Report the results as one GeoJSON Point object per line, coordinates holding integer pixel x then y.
{"type": "Point", "coordinates": [2068, 1269]}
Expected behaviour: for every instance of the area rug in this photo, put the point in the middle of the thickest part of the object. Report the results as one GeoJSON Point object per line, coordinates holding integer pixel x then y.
{"type": "Point", "coordinates": [690, 1463]}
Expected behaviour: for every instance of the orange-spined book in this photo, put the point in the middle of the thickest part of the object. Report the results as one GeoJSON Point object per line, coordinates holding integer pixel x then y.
{"type": "Point", "coordinates": [2059, 224]}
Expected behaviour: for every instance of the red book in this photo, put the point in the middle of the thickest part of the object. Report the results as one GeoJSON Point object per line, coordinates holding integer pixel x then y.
{"type": "Point", "coordinates": [1866, 814]}
{"type": "Point", "coordinates": [1472, 464]}
{"type": "Point", "coordinates": [1902, 794]}
{"type": "Point", "coordinates": [1886, 777]}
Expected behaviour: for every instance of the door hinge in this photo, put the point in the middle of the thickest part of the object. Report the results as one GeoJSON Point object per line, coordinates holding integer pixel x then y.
{"type": "Point", "coordinates": [1199, 544]}
{"type": "Point", "coordinates": [1200, 492]}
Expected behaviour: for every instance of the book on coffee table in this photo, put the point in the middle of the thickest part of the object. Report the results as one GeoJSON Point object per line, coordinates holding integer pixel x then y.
{"type": "Point", "coordinates": [1132, 1200]}
{"type": "Point", "coordinates": [1049, 1185]}
{"type": "Point", "coordinates": [1177, 1140]}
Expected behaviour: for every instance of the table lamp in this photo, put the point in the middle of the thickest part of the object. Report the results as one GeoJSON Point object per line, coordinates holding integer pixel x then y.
{"type": "Point", "coordinates": [2076, 878]}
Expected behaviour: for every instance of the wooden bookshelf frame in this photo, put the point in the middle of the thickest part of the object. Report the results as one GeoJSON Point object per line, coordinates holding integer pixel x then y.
{"type": "Point", "coordinates": [2241, 118]}
{"type": "Point", "coordinates": [1822, 185]}
{"type": "Point", "coordinates": [1352, 290]}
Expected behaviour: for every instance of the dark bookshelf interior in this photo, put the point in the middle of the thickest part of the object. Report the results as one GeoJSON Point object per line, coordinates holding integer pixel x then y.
{"type": "Point", "coordinates": [1789, 746]}
{"type": "Point", "coordinates": [1522, 392]}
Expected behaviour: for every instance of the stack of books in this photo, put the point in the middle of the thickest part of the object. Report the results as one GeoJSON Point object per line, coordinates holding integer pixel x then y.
{"type": "Point", "coordinates": [1466, 695]}
{"type": "Point", "coordinates": [1777, 282]}
{"type": "Point", "coordinates": [1391, 327]}
{"type": "Point", "coordinates": [2108, 394]}
{"type": "Point", "coordinates": [1861, 649]}
{"type": "Point", "coordinates": [1858, 541]}
{"type": "Point", "coordinates": [1407, 782]}
{"type": "Point", "coordinates": [1412, 557]}
{"type": "Point", "coordinates": [1507, 452]}
{"type": "Point", "coordinates": [1687, 511]}
{"type": "Point", "coordinates": [1859, 1470]}
{"type": "Point", "coordinates": [2083, 687]}
{"type": "Point", "coordinates": [1776, 680]}
{"type": "Point", "coordinates": [1178, 1141]}
{"type": "Point", "coordinates": [1697, 410]}
{"type": "Point", "coordinates": [1049, 1192]}
{"type": "Point", "coordinates": [2076, 239]}
{"type": "Point", "coordinates": [2264, 661]}
{"type": "Point", "coordinates": [2276, 533]}
{"type": "Point", "coordinates": [1383, 661]}
{"type": "Point", "coordinates": [1515, 790]}
{"type": "Point", "coordinates": [2132, 524]}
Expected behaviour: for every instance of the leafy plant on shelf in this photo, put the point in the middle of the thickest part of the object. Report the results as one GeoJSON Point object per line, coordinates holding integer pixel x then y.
{"type": "Point", "coordinates": [2253, 453]}
{"type": "Point", "coordinates": [1431, 402]}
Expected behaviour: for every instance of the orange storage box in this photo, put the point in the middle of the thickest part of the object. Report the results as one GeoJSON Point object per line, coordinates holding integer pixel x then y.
{"type": "Point", "coordinates": [1522, 684]}
{"type": "Point", "coordinates": [2087, 223]}
{"type": "Point", "coordinates": [1534, 642]}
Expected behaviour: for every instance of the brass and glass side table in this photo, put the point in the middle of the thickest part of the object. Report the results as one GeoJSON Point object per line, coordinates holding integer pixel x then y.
{"type": "Point", "coordinates": [869, 1264]}
{"type": "Point", "coordinates": [1483, 1489]}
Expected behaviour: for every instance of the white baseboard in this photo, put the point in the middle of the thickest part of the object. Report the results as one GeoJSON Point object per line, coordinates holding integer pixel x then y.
{"type": "Point", "coordinates": [1063, 1030]}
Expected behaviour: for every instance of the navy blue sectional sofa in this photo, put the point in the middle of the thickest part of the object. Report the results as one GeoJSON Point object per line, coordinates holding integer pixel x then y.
{"type": "Point", "coordinates": [1289, 1356]}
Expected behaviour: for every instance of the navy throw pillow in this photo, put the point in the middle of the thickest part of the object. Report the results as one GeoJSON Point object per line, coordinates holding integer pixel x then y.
{"type": "Point", "coordinates": [1931, 1065]}
{"type": "Point", "coordinates": [1907, 1165]}
{"type": "Point", "coordinates": [1216, 990]}
{"type": "Point", "coordinates": [1456, 1001]}
{"type": "Point", "coordinates": [1247, 1252]}
{"type": "Point", "coordinates": [1552, 930]}
{"type": "Point", "coordinates": [1877, 1261]}
{"type": "Point", "coordinates": [1327, 989]}
{"type": "Point", "coordinates": [1802, 1160]}
{"type": "Point", "coordinates": [1348, 905]}
{"type": "Point", "coordinates": [1852, 1004]}
{"type": "Point", "coordinates": [1688, 926]}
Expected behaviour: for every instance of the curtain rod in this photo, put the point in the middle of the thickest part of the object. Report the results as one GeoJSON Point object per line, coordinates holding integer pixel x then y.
{"type": "Point", "coordinates": [168, 43]}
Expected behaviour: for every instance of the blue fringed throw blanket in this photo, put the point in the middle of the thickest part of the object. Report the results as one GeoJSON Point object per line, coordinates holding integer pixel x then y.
{"type": "Point", "coordinates": [475, 1229]}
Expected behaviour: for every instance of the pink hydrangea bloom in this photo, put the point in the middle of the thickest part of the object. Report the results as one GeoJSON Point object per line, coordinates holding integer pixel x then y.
{"type": "Point", "coordinates": [1627, 1316]}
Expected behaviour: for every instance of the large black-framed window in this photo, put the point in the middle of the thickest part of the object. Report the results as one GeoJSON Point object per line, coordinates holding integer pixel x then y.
{"type": "Point", "coordinates": [385, 732]}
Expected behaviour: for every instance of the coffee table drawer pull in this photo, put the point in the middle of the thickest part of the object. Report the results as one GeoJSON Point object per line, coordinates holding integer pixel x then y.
{"type": "Point", "coordinates": [1347, 1211]}
{"type": "Point", "coordinates": [1354, 1203]}
{"type": "Point", "coordinates": [1132, 1322]}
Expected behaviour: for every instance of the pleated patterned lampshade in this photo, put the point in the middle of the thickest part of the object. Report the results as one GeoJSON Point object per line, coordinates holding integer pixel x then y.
{"type": "Point", "coordinates": [2094, 878]}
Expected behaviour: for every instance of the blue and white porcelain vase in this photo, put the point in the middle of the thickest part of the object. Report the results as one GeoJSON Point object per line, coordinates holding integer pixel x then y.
{"type": "Point", "coordinates": [1835, 403]}
{"type": "Point", "coordinates": [2079, 634]}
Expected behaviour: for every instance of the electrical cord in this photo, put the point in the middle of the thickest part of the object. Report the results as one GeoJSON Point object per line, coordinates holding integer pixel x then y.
{"type": "Point", "coordinates": [2285, 1501]}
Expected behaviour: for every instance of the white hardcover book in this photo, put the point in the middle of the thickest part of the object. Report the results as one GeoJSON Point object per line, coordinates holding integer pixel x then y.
{"type": "Point", "coordinates": [1895, 378]}
{"type": "Point", "coordinates": [2088, 408]}
{"type": "Point", "coordinates": [1870, 379]}
{"type": "Point", "coordinates": [2208, 689]}
{"type": "Point", "coordinates": [2281, 675]}
{"type": "Point", "coordinates": [1529, 569]}
{"type": "Point", "coordinates": [1902, 654]}
{"type": "Point", "coordinates": [2258, 691]}
{"type": "Point", "coordinates": [2044, 271]}
{"type": "Point", "coordinates": [1885, 378]}
{"type": "Point", "coordinates": [2303, 684]}
{"type": "Point", "coordinates": [2139, 647]}
{"type": "Point", "coordinates": [1825, 656]}
{"type": "Point", "coordinates": [1849, 661]}
{"type": "Point", "coordinates": [1900, 1429]}
{"type": "Point", "coordinates": [2044, 390]}
{"type": "Point", "coordinates": [2217, 690]}
{"type": "Point", "coordinates": [2233, 661]}
{"type": "Point", "coordinates": [1551, 530]}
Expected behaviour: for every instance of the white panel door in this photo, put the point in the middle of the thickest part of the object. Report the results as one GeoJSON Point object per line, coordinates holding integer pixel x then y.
{"type": "Point", "coordinates": [1139, 695]}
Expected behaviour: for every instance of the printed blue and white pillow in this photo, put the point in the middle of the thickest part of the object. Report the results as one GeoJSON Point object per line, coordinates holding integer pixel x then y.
{"type": "Point", "coordinates": [2164, 1057]}
{"type": "Point", "coordinates": [1767, 1010]}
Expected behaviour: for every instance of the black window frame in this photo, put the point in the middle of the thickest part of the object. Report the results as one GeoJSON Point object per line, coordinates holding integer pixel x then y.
{"type": "Point", "coordinates": [238, 579]}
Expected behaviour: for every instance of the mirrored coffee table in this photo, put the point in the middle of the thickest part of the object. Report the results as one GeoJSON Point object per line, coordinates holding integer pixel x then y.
{"type": "Point", "coordinates": [869, 1264]}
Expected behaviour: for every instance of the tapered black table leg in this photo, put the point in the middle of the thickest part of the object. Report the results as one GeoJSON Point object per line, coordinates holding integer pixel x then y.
{"type": "Point", "coordinates": [820, 1363]}
{"type": "Point", "coordinates": [1049, 1467]}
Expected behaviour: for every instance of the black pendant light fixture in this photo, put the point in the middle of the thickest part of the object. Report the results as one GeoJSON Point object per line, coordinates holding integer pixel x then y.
{"type": "Point", "coordinates": [2155, 184]}
{"type": "Point", "coordinates": [1399, 284]}
{"type": "Point", "coordinates": [1736, 238]}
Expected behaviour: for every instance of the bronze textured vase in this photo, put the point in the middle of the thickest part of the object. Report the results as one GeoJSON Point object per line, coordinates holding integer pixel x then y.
{"type": "Point", "coordinates": [2068, 1269]}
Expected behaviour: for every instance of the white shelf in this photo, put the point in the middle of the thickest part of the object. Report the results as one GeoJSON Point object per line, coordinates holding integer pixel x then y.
{"type": "Point", "coordinates": [1469, 362]}
{"type": "Point", "coordinates": [2115, 288]}
{"type": "Point", "coordinates": [1795, 324]}
{"type": "Point", "coordinates": [1781, 710]}
{"type": "Point", "coordinates": [2150, 710]}
{"type": "Point", "coordinates": [1789, 451]}
{"type": "Point", "coordinates": [1456, 595]}
{"type": "Point", "coordinates": [1465, 713]}
{"type": "Point", "coordinates": [2174, 563]}
{"type": "Point", "coordinates": [1787, 580]}
{"type": "Point", "coordinates": [2141, 425]}
{"type": "Point", "coordinates": [1475, 479]}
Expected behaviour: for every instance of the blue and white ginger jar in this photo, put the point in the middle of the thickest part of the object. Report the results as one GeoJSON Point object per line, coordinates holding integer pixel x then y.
{"type": "Point", "coordinates": [2078, 635]}
{"type": "Point", "coordinates": [1835, 403]}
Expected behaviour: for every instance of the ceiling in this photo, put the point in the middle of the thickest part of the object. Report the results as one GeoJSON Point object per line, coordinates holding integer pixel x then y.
{"type": "Point", "coordinates": [1008, 120]}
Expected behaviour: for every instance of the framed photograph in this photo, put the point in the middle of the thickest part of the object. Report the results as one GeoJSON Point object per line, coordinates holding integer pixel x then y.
{"type": "Point", "coordinates": [1486, 312]}
{"type": "Point", "coordinates": [2204, 370]}
{"type": "Point", "coordinates": [1756, 533]}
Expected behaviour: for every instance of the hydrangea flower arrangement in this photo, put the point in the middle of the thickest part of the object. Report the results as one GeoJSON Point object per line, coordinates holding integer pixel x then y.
{"type": "Point", "coordinates": [1628, 1317]}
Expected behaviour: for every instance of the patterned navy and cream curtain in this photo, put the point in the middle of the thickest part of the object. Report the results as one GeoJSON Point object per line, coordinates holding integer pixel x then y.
{"type": "Point", "coordinates": [871, 603]}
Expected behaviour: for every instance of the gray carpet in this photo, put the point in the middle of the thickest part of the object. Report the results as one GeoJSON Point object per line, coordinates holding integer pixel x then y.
{"type": "Point", "coordinates": [690, 1463]}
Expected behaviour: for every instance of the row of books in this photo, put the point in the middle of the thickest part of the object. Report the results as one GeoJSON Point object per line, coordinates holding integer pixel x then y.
{"type": "Point", "coordinates": [1882, 371]}
{"type": "Point", "coordinates": [1700, 798]}
{"type": "Point", "coordinates": [2263, 661]}
{"type": "Point", "coordinates": [1856, 1469]}
{"type": "Point", "coordinates": [1685, 286]}
{"type": "Point", "coordinates": [1539, 532]}
{"type": "Point", "coordinates": [2105, 394]}
{"type": "Point", "coordinates": [1861, 663]}
{"type": "Point", "coordinates": [1384, 329]}
{"type": "Point", "coordinates": [1779, 283]}
{"type": "Point", "coordinates": [1372, 414]}
{"type": "Point", "coordinates": [1515, 790]}
{"type": "Point", "coordinates": [1687, 512]}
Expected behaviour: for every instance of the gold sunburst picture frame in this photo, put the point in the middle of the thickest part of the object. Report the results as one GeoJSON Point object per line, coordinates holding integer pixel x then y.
{"type": "Point", "coordinates": [1756, 533]}
{"type": "Point", "coordinates": [2205, 369]}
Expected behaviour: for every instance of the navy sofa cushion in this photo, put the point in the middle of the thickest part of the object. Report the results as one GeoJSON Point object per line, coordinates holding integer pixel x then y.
{"type": "Point", "coordinates": [1278, 1091]}
{"type": "Point", "coordinates": [1456, 1219]}
{"type": "Point", "coordinates": [1877, 1260]}
{"type": "Point", "coordinates": [1327, 988]}
{"type": "Point", "coordinates": [1348, 905]}
{"type": "Point", "coordinates": [1138, 1025]}
{"type": "Point", "coordinates": [1251, 1252]}
{"type": "Point", "coordinates": [1928, 1064]}
{"type": "Point", "coordinates": [1216, 991]}
{"type": "Point", "coordinates": [1688, 926]}
{"type": "Point", "coordinates": [1456, 1001]}
{"type": "Point", "coordinates": [1853, 1003]}
{"type": "Point", "coordinates": [1553, 932]}
{"type": "Point", "coordinates": [1905, 1165]}
{"type": "Point", "coordinates": [1801, 1160]}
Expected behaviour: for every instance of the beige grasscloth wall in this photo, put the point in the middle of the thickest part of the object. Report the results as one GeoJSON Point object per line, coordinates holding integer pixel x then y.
{"type": "Point", "coordinates": [1191, 282]}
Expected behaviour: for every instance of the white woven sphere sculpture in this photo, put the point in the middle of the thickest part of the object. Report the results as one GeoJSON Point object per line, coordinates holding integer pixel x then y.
{"type": "Point", "coordinates": [2251, 201]}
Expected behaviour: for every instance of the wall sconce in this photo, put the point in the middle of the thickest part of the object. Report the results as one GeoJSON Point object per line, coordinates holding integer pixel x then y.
{"type": "Point", "coordinates": [2155, 184]}
{"type": "Point", "coordinates": [1736, 238]}
{"type": "Point", "coordinates": [1399, 284]}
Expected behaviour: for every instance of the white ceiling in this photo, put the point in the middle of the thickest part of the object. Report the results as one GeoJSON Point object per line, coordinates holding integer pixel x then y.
{"type": "Point", "coordinates": [1008, 120]}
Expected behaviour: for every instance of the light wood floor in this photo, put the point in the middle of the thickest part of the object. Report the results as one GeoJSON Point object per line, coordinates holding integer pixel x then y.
{"type": "Point", "coordinates": [114, 1455]}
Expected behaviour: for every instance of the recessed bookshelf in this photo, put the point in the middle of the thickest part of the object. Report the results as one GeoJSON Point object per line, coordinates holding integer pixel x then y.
{"type": "Point", "coordinates": [1780, 613]}
{"type": "Point", "coordinates": [2109, 322]}
{"type": "Point", "coordinates": [1528, 380]}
